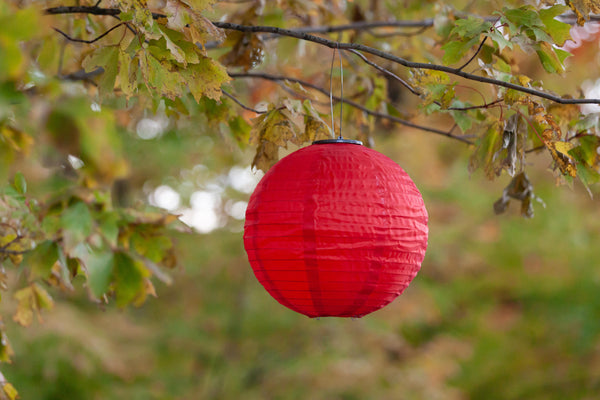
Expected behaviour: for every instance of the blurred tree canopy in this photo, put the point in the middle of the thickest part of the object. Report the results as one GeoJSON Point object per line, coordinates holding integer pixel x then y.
{"type": "Point", "coordinates": [105, 106]}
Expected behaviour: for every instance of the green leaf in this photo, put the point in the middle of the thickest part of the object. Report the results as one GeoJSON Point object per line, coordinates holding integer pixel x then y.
{"type": "Point", "coordinates": [161, 78]}
{"type": "Point", "coordinates": [587, 175]}
{"type": "Point", "coordinates": [19, 183]}
{"type": "Point", "coordinates": [470, 27]}
{"type": "Point", "coordinates": [129, 276]}
{"type": "Point", "coordinates": [461, 117]}
{"type": "Point", "coordinates": [49, 55]}
{"type": "Point", "coordinates": [51, 224]}
{"type": "Point", "coordinates": [488, 145]}
{"type": "Point", "coordinates": [41, 259]}
{"type": "Point", "coordinates": [455, 50]}
{"type": "Point", "coordinates": [562, 54]}
{"type": "Point", "coordinates": [549, 59]}
{"type": "Point", "coordinates": [109, 227]}
{"type": "Point", "coordinates": [77, 224]}
{"type": "Point", "coordinates": [540, 35]}
{"type": "Point", "coordinates": [106, 58]}
{"type": "Point", "coordinates": [175, 50]}
{"type": "Point", "coordinates": [589, 145]}
{"type": "Point", "coordinates": [126, 16]}
{"type": "Point", "coordinates": [240, 129]}
{"type": "Point", "coordinates": [590, 121]}
{"type": "Point", "coordinates": [501, 41]}
{"type": "Point", "coordinates": [523, 16]}
{"type": "Point", "coordinates": [205, 78]}
{"type": "Point", "coordinates": [152, 246]}
{"type": "Point", "coordinates": [99, 267]}
{"type": "Point", "coordinates": [19, 26]}
{"type": "Point", "coordinates": [558, 30]}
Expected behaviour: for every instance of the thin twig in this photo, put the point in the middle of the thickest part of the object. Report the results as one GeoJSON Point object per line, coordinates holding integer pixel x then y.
{"type": "Point", "coordinates": [474, 55]}
{"type": "Point", "coordinates": [81, 75]}
{"type": "Point", "coordinates": [129, 27]}
{"type": "Point", "coordinates": [92, 40]}
{"type": "Point", "coordinates": [387, 72]}
{"type": "Point", "coordinates": [10, 243]}
{"type": "Point", "coordinates": [416, 92]}
{"type": "Point", "coordinates": [485, 105]}
{"type": "Point", "coordinates": [399, 33]}
{"type": "Point", "coordinates": [239, 103]}
{"type": "Point", "coordinates": [538, 148]}
{"type": "Point", "coordinates": [13, 252]}
{"type": "Point", "coordinates": [276, 78]}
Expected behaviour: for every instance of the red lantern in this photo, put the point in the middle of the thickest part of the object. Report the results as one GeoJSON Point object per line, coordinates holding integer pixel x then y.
{"type": "Point", "coordinates": [335, 229]}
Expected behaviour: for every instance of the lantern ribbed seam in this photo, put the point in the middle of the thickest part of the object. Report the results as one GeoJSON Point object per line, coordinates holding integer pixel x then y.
{"type": "Point", "coordinates": [370, 283]}
{"type": "Point", "coordinates": [273, 288]}
{"type": "Point", "coordinates": [310, 245]}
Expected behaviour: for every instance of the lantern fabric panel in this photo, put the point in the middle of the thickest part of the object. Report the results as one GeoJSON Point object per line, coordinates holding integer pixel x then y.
{"type": "Point", "coordinates": [335, 230]}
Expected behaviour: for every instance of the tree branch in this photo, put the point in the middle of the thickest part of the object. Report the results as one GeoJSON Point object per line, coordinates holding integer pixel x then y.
{"type": "Point", "coordinates": [278, 78]}
{"type": "Point", "coordinates": [364, 25]}
{"type": "Point", "coordinates": [485, 105]}
{"type": "Point", "coordinates": [409, 64]}
{"type": "Point", "coordinates": [92, 40]}
{"type": "Point", "coordinates": [299, 34]}
{"type": "Point", "coordinates": [239, 103]}
{"type": "Point", "coordinates": [93, 10]}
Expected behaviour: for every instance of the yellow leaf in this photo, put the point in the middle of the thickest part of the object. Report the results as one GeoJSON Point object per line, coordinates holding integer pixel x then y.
{"type": "Point", "coordinates": [523, 80]}
{"type": "Point", "coordinates": [583, 8]}
{"type": "Point", "coordinates": [563, 148]}
{"type": "Point", "coordinates": [564, 161]}
{"type": "Point", "coordinates": [315, 129]}
{"type": "Point", "coordinates": [199, 5]}
{"type": "Point", "coordinates": [10, 391]}
{"type": "Point", "coordinates": [25, 303]}
{"type": "Point", "coordinates": [205, 78]}
{"type": "Point", "coordinates": [150, 290]}
{"type": "Point", "coordinates": [275, 126]}
{"type": "Point", "coordinates": [6, 350]}
{"type": "Point", "coordinates": [42, 298]}
{"type": "Point", "coordinates": [267, 154]}
{"type": "Point", "coordinates": [426, 77]}
{"type": "Point", "coordinates": [30, 301]}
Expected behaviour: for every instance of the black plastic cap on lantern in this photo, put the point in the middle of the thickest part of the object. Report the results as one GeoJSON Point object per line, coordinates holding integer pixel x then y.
{"type": "Point", "coordinates": [338, 140]}
{"type": "Point", "coordinates": [335, 229]}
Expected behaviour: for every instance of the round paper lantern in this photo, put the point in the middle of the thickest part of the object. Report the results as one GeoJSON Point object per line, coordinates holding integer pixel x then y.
{"type": "Point", "coordinates": [335, 229]}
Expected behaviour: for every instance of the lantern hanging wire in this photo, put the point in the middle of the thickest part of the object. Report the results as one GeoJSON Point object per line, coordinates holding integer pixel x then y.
{"type": "Point", "coordinates": [341, 92]}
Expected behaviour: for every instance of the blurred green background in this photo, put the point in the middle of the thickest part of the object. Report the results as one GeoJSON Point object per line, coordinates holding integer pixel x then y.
{"type": "Point", "coordinates": [503, 308]}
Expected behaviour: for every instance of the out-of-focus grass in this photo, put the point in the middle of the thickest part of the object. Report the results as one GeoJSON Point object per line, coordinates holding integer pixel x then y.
{"type": "Point", "coordinates": [503, 308]}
